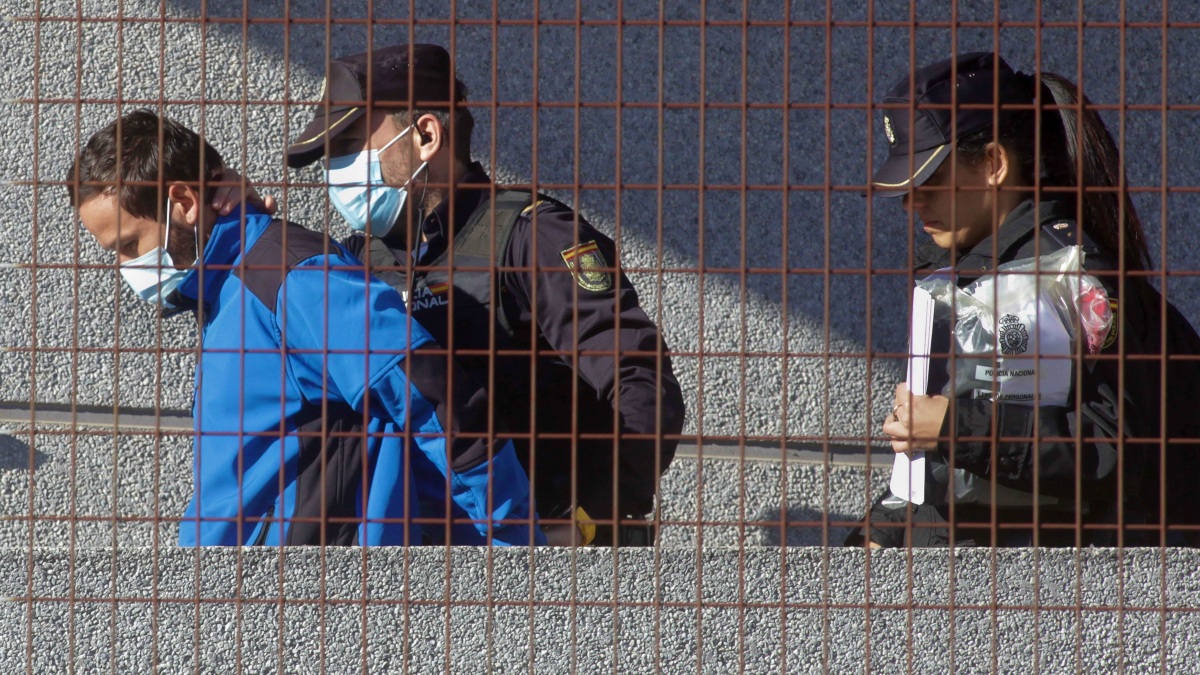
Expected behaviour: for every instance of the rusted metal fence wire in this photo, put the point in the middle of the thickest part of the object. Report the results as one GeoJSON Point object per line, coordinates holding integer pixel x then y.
{"type": "Point", "coordinates": [711, 173]}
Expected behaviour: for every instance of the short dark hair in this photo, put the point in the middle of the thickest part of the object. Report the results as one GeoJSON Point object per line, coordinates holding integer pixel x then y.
{"type": "Point", "coordinates": [124, 159]}
{"type": "Point", "coordinates": [461, 129]}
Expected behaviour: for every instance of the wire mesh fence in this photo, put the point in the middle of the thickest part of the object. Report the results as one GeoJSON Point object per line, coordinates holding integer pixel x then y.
{"type": "Point", "coordinates": [655, 247]}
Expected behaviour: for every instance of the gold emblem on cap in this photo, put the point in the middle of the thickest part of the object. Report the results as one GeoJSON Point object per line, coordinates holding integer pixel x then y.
{"type": "Point", "coordinates": [887, 130]}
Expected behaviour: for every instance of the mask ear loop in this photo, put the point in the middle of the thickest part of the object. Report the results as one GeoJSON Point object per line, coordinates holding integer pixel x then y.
{"type": "Point", "coordinates": [196, 243]}
{"type": "Point", "coordinates": [402, 134]}
{"type": "Point", "coordinates": [387, 145]}
{"type": "Point", "coordinates": [423, 164]}
{"type": "Point", "coordinates": [198, 262]}
{"type": "Point", "coordinates": [166, 241]}
{"type": "Point", "coordinates": [413, 177]}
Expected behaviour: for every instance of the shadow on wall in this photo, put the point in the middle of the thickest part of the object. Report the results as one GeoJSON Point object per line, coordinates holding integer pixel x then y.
{"type": "Point", "coordinates": [809, 534]}
{"type": "Point", "coordinates": [15, 454]}
{"type": "Point", "coordinates": [641, 145]}
{"type": "Point", "coordinates": [701, 118]}
{"type": "Point", "coordinates": [559, 144]}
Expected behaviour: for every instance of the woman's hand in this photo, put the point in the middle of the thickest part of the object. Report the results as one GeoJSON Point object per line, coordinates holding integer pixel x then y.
{"type": "Point", "coordinates": [916, 421]}
{"type": "Point", "coordinates": [228, 197]}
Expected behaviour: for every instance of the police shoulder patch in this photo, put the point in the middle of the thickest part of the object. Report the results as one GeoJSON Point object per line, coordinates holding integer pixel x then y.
{"type": "Point", "coordinates": [588, 266]}
{"type": "Point", "coordinates": [1111, 339]}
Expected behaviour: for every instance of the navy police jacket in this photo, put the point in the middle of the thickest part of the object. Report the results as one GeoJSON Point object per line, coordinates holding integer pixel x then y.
{"type": "Point", "coordinates": [299, 346]}
{"type": "Point", "coordinates": [538, 305]}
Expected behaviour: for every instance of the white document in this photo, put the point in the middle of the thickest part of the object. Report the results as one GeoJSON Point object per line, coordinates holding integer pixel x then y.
{"type": "Point", "coordinates": [908, 473]}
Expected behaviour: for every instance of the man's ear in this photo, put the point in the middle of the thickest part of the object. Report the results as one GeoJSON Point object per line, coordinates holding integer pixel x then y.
{"type": "Point", "coordinates": [999, 164]}
{"type": "Point", "coordinates": [431, 136]}
{"type": "Point", "coordinates": [185, 202]}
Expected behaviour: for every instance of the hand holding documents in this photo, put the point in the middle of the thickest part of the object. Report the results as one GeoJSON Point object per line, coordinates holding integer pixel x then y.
{"type": "Point", "coordinates": [908, 472]}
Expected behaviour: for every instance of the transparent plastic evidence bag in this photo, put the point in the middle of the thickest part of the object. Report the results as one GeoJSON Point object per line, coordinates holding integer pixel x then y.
{"type": "Point", "coordinates": [1014, 335]}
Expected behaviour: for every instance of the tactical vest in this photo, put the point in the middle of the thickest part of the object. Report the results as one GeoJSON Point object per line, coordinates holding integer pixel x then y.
{"type": "Point", "coordinates": [477, 253]}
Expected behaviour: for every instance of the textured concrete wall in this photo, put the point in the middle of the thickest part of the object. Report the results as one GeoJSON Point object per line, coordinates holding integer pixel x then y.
{"type": "Point", "coordinates": [768, 610]}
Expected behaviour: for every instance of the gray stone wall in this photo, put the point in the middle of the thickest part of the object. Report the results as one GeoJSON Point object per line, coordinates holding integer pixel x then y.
{"type": "Point", "coordinates": [793, 610]}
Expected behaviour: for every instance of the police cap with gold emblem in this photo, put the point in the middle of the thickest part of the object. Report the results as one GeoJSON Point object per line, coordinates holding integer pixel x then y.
{"type": "Point", "coordinates": [389, 77]}
{"type": "Point", "coordinates": [923, 115]}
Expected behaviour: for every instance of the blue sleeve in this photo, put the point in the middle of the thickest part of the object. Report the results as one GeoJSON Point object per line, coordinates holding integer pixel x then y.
{"type": "Point", "coordinates": [349, 338]}
{"type": "Point", "coordinates": [461, 449]}
{"type": "Point", "coordinates": [343, 328]}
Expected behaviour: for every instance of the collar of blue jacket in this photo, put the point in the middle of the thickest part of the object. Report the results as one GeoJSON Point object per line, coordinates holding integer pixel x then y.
{"type": "Point", "coordinates": [225, 245]}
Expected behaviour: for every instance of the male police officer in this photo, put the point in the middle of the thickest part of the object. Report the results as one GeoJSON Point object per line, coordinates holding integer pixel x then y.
{"type": "Point", "coordinates": [299, 346]}
{"type": "Point", "coordinates": [525, 293]}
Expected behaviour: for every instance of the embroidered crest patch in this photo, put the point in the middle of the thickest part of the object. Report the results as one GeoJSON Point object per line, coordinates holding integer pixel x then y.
{"type": "Point", "coordinates": [587, 265]}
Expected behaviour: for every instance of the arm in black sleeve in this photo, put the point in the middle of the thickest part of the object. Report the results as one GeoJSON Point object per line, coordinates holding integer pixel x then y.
{"type": "Point", "coordinates": [622, 355]}
{"type": "Point", "coordinates": [1056, 427]}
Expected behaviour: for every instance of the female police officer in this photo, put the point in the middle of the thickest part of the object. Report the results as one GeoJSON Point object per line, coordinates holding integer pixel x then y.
{"type": "Point", "coordinates": [987, 193]}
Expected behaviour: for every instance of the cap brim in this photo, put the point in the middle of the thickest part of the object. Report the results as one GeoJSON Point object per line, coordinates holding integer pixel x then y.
{"type": "Point", "coordinates": [310, 144]}
{"type": "Point", "coordinates": [901, 173]}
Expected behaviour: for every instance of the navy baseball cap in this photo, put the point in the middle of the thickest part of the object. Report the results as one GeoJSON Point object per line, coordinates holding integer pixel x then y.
{"type": "Point", "coordinates": [400, 75]}
{"type": "Point", "coordinates": [921, 132]}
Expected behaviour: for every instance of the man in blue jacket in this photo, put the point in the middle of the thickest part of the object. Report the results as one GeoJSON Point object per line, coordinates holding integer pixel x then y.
{"type": "Point", "coordinates": [299, 346]}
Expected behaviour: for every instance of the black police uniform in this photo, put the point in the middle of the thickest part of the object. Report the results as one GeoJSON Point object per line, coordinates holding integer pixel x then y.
{"type": "Point", "coordinates": [599, 378]}
{"type": "Point", "coordinates": [1081, 444]}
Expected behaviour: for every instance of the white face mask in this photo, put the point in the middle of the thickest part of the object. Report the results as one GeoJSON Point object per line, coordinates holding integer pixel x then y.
{"type": "Point", "coordinates": [358, 192]}
{"type": "Point", "coordinates": [153, 276]}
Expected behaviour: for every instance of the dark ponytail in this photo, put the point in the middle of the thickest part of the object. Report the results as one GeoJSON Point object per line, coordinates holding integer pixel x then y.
{"type": "Point", "coordinates": [1076, 150]}
{"type": "Point", "coordinates": [1101, 168]}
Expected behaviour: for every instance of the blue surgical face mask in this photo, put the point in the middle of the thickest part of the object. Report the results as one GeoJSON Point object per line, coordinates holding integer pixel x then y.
{"type": "Point", "coordinates": [358, 192]}
{"type": "Point", "coordinates": [153, 276]}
